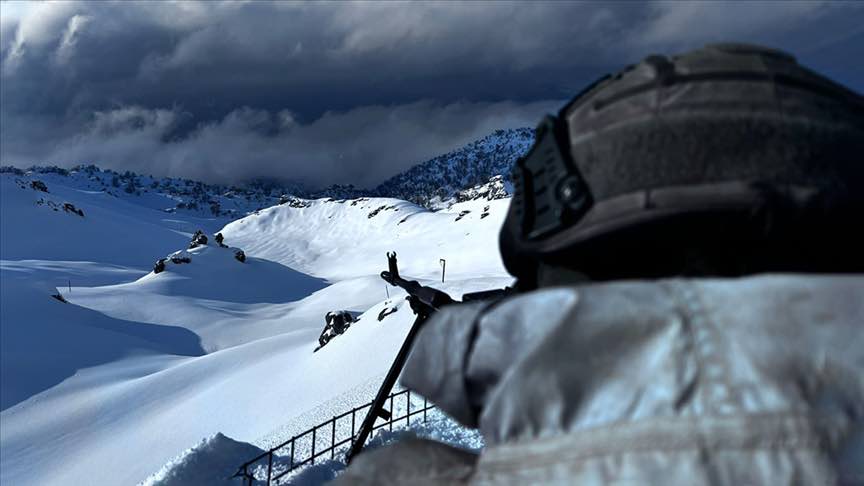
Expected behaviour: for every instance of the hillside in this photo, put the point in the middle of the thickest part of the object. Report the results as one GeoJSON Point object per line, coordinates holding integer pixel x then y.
{"type": "Point", "coordinates": [438, 182]}
{"type": "Point", "coordinates": [434, 184]}
{"type": "Point", "coordinates": [339, 239]}
{"type": "Point", "coordinates": [140, 366]}
{"type": "Point", "coordinates": [169, 195]}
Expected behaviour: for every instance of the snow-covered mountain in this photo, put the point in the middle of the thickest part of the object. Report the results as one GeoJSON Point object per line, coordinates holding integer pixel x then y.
{"type": "Point", "coordinates": [480, 167]}
{"type": "Point", "coordinates": [136, 366]}
{"type": "Point", "coordinates": [438, 182]}
{"type": "Point", "coordinates": [170, 195]}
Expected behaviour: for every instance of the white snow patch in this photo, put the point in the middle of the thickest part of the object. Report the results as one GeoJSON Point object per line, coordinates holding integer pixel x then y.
{"type": "Point", "coordinates": [212, 461]}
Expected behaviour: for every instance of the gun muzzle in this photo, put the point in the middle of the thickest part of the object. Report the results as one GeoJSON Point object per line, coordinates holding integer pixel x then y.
{"type": "Point", "coordinates": [393, 266]}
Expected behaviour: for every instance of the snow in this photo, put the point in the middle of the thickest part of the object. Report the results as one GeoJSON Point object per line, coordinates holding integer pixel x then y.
{"type": "Point", "coordinates": [31, 231]}
{"type": "Point", "coordinates": [212, 461]}
{"type": "Point", "coordinates": [332, 240]}
{"type": "Point", "coordinates": [438, 427]}
{"type": "Point", "coordinates": [225, 302]}
{"type": "Point", "coordinates": [140, 366]}
{"type": "Point", "coordinates": [439, 182]}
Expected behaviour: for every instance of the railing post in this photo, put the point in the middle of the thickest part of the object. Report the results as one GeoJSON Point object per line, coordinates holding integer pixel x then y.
{"type": "Point", "coordinates": [293, 439]}
{"type": "Point", "coordinates": [353, 414]}
{"type": "Point", "coordinates": [333, 439]}
{"type": "Point", "coordinates": [269, 467]}
{"type": "Point", "coordinates": [314, 429]}
{"type": "Point", "coordinates": [354, 439]}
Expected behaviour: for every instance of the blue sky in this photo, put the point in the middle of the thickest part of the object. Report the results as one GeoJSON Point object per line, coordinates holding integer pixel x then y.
{"type": "Point", "coordinates": [342, 92]}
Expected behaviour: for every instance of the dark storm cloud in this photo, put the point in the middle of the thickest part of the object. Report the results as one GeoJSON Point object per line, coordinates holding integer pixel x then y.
{"type": "Point", "coordinates": [359, 146]}
{"type": "Point", "coordinates": [340, 92]}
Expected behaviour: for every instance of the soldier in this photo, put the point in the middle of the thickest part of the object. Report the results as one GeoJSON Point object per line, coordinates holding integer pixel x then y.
{"type": "Point", "coordinates": [335, 323]}
{"type": "Point", "coordinates": [687, 241]}
{"type": "Point", "coordinates": [338, 322]}
{"type": "Point", "coordinates": [327, 332]}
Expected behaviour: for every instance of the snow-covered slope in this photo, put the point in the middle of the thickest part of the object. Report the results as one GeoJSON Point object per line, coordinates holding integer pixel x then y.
{"type": "Point", "coordinates": [169, 195]}
{"type": "Point", "coordinates": [436, 183]}
{"type": "Point", "coordinates": [35, 225]}
{"type": "Point", "coordinates": [340, 239]}
{"type": "Point", "coordinates": [139, 366]}
{"type": "Point", "coordinates": [439, 179]}
{"type": "Point", "coordinates": [215, 296]}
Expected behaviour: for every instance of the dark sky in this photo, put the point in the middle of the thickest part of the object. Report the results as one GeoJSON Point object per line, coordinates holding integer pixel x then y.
{"type": "Point", "coordinates": [342, 92]}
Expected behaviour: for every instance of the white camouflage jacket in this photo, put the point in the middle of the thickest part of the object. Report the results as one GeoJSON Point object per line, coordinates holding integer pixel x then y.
{"type": "Point", "coordinates": [755, 380]}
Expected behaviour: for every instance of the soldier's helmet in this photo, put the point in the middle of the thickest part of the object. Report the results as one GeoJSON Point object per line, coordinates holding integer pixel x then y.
{"type": "Point", "coordinates": [731, 151]}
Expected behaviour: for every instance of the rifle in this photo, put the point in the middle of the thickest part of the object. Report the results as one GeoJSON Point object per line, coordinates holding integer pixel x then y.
{"type": "Point", "coordinates": [424, 301]}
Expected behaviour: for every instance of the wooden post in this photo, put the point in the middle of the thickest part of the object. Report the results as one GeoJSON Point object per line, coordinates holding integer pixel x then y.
{"type": "Point", "coordinates": [333, 439]}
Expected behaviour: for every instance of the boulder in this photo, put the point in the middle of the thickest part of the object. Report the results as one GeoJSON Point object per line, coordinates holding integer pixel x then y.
{"type": "Point", "coordinates": [198, 239]}
{"type": "Point", "coordinates": [70, 208]}
{"type": "Point", "coordinates": [38, 186]}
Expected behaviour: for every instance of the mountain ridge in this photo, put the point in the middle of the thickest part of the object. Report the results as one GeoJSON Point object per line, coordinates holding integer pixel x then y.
{"type": "Point", "coordinates": [480, 169]}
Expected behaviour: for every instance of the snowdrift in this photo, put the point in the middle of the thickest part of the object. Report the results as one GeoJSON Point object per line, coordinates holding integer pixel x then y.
{"type": "Point", "coordinates": [209, 462]}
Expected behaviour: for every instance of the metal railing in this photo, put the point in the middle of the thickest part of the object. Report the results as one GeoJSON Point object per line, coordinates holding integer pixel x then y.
{"type": "Point", "coordinates": [303, 448]}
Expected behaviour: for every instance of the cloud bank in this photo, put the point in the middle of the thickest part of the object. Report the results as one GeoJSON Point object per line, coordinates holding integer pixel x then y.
{"type": "Point", "coordinates": [341, 92]}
